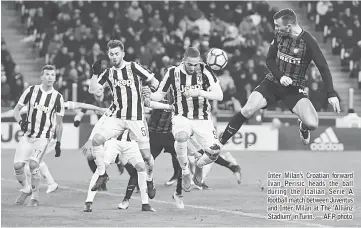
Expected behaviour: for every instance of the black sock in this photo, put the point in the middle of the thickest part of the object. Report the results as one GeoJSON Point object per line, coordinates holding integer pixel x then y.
{"type": "Point", "coordinates": [178, 189]}
{"type": "Point", "coordinates": [233, 126]}
{"type": "Point", "coordinates": [221, 161]}
{"type": "Point", "coordinates": [176, 166]}
{"type": "Point", "coordinates": [133, 181]}
{"type": "Point", "coordinates": [92, 165]}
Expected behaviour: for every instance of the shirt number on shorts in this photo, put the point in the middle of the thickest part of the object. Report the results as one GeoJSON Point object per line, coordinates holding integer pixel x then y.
{"type": "Point", "coordinates": [144, 131]}
{"type": "Point", "coordinates": [215, 134]}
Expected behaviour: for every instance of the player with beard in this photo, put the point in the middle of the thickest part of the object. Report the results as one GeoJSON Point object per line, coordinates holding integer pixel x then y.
{"type": "Point", "coordinates": [288, 58]}
{"type": "Point", "coordinates": [125, 80]}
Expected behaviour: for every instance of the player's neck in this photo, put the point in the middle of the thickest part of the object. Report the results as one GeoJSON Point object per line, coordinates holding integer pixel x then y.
{"type": "Point", "coordinates": [296, 31]}
{"type": "Point", "coordinates": [46, 88]}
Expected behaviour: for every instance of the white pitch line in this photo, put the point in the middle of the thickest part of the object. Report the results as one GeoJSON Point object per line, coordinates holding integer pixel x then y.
{"type": "Point", "coordinates": [250, 215]}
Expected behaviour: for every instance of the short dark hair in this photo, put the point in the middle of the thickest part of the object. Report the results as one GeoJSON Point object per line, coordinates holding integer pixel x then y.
{"type": "Point", "coordinates": [288, 16]}
{"type": "Point", "coordinates": [47, 67]}
{"type": "Point", "coordinates": [115, 43]}
{"type": "Point", "coordinates": [192, 52]}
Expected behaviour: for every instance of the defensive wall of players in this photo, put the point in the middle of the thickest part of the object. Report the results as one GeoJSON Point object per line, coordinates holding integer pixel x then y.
{"type": "Point", "coordinates": [250, 137]}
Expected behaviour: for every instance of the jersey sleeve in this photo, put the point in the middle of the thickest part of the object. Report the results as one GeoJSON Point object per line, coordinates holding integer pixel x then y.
{"type": "Point", "coordinates": [70, 105]}
{"type": "Point", "coordinates": [144, 73]}
{"type": "Point", "coordinates": [167, 80]}
{"type": "Point", "coordinates": [60, 106]}
{"type": "Point", "coordinates": [25, 97]}
{"type": "Point", "coordinates": [102, 78]}
{"type": "Point", "coordinates": [321, 64]}
{"type": "Point", "coordinates": [271, 59]}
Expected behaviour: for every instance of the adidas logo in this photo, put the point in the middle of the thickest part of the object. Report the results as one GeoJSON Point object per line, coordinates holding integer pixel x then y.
{"type": "Point", "coordinates": [327, 141]}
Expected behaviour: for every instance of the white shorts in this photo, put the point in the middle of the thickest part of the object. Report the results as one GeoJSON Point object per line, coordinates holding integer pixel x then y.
{"type": "Point", "coordinates": [138, 130]}
{"type": "Point", "coordinates": [33, 149]}
{"type": "Point", "coordinates": [128, 152]}
{"type": "Point", "coordinates": [98, 127]}
{"type": "Point", "coordinates": [202, 130]}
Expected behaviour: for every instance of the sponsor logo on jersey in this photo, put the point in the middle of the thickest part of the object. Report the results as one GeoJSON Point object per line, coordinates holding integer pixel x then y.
{"type": "Point", "coordinates": [327, 141]}
{"type": "Point", "coordinates": [123, 83]}
{"type": "Point", "coordinates": [41, 107]}
{"type": "Point", "coordinates": [288, 58]}
{"type": "Point", "coordinates": [183, 88]}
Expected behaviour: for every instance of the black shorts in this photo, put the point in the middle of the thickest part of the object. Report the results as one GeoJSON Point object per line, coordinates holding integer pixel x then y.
{"type": "Point", "coordinates": [274, 92]}
{"type": "Point", "coordinates": [160, 141]}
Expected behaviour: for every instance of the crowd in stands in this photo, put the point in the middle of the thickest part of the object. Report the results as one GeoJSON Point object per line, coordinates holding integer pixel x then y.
{"type": "Point", "coordinates": [72, 35]}
{"type": "Point", "coordinates": [12, 81]}
{"type": "Point", "coordinates": [340, 23]}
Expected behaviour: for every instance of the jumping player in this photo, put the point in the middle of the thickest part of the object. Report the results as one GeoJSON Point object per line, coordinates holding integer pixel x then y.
{"type": "Point", "coordinates": [125, 80]}
{"type": "Point", "coordinates": [45, 115]}
{"type": "Point", "coordinates": [289, 55]}
{"type": "Point", "coordinates": [193, 84]}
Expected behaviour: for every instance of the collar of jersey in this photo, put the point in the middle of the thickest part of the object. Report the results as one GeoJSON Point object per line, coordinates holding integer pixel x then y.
{"type": "Point", "coordinates": [182, 69]}
{"type": "Point", "coordinates": [42, 90]}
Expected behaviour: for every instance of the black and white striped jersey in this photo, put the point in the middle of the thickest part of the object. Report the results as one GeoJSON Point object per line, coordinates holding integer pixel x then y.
{"type": "Point", "coordinates": [179, 81]}
{"type": "Point", "coordinates": [41, 109]}
{"type": "Point", "coordinates": [126, 86]}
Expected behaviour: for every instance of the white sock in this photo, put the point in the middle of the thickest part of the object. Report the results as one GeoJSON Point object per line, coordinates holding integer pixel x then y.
{"type": "Point", "coordinates": [149, 167]}
{"type": "Point", "coordinates": [142, 182]}
{"type": "Point", "coordinates": [206, 170]}
{"type": "Point", "coordinates": [28, 174]}
{"type": "Point", "coordinates": [204, 160]}
{"type": "Point", "coordinates": [99, 155]}
{"type": "Point", "coordinates": [181, 149]}
{"type": "Point", "coordinates": [21, 176]}
{"type": "Point", "coordinates": [228, 157]}
{"type": "Point", "coordinates": [45, 173]}
{"type": "Point", "coordinates": [91, 194]}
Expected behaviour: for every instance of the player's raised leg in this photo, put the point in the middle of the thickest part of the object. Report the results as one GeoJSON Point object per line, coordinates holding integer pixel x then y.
{"type": "Point", "coordinates": [112, 127]}
{"type": "Point", "coordinates": [308, 118]}
{"type": "Point", "coordinates": [255, 102]}
{"type": "Point", "coordinates": [181, 131]}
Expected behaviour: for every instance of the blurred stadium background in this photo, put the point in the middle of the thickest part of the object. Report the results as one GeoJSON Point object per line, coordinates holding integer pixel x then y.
{"type": "Point", "coordinates": [72, 35]}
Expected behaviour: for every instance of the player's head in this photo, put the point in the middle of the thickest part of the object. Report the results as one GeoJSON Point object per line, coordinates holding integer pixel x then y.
{"type": "Point", "coordinates": [284, 20]}
{"type": "Point", "coordinates": [191, 59]}
{"type": "Point", "coordinates": [115, 52]}
{"type": "Point", "coordinates": [48, 75]}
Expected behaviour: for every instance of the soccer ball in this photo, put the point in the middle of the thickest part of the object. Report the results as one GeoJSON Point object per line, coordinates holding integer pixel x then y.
{"type": "Point", "coordinates": [217, 59]}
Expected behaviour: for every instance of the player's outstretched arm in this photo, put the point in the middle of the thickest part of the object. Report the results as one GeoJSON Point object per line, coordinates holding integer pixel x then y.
{"type": "Point", "coordinates": [88, 107]}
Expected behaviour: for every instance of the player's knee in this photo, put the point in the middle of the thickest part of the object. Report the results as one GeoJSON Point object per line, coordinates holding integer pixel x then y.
{"type": "Point", "coordinates": [181, 136]}
{"type": "Point", "coordinates": [140, 167]}
{"type": "Point", "coordinates": [98, 140]}
{"type": "Point", "coordinates": [312, 123]}
{"type": "Point", "coordinates": [33, 165]}
{"type": "Point", "coordinates": [248, 110]}
{"type": "Point", "coordinates": [18, 166]}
